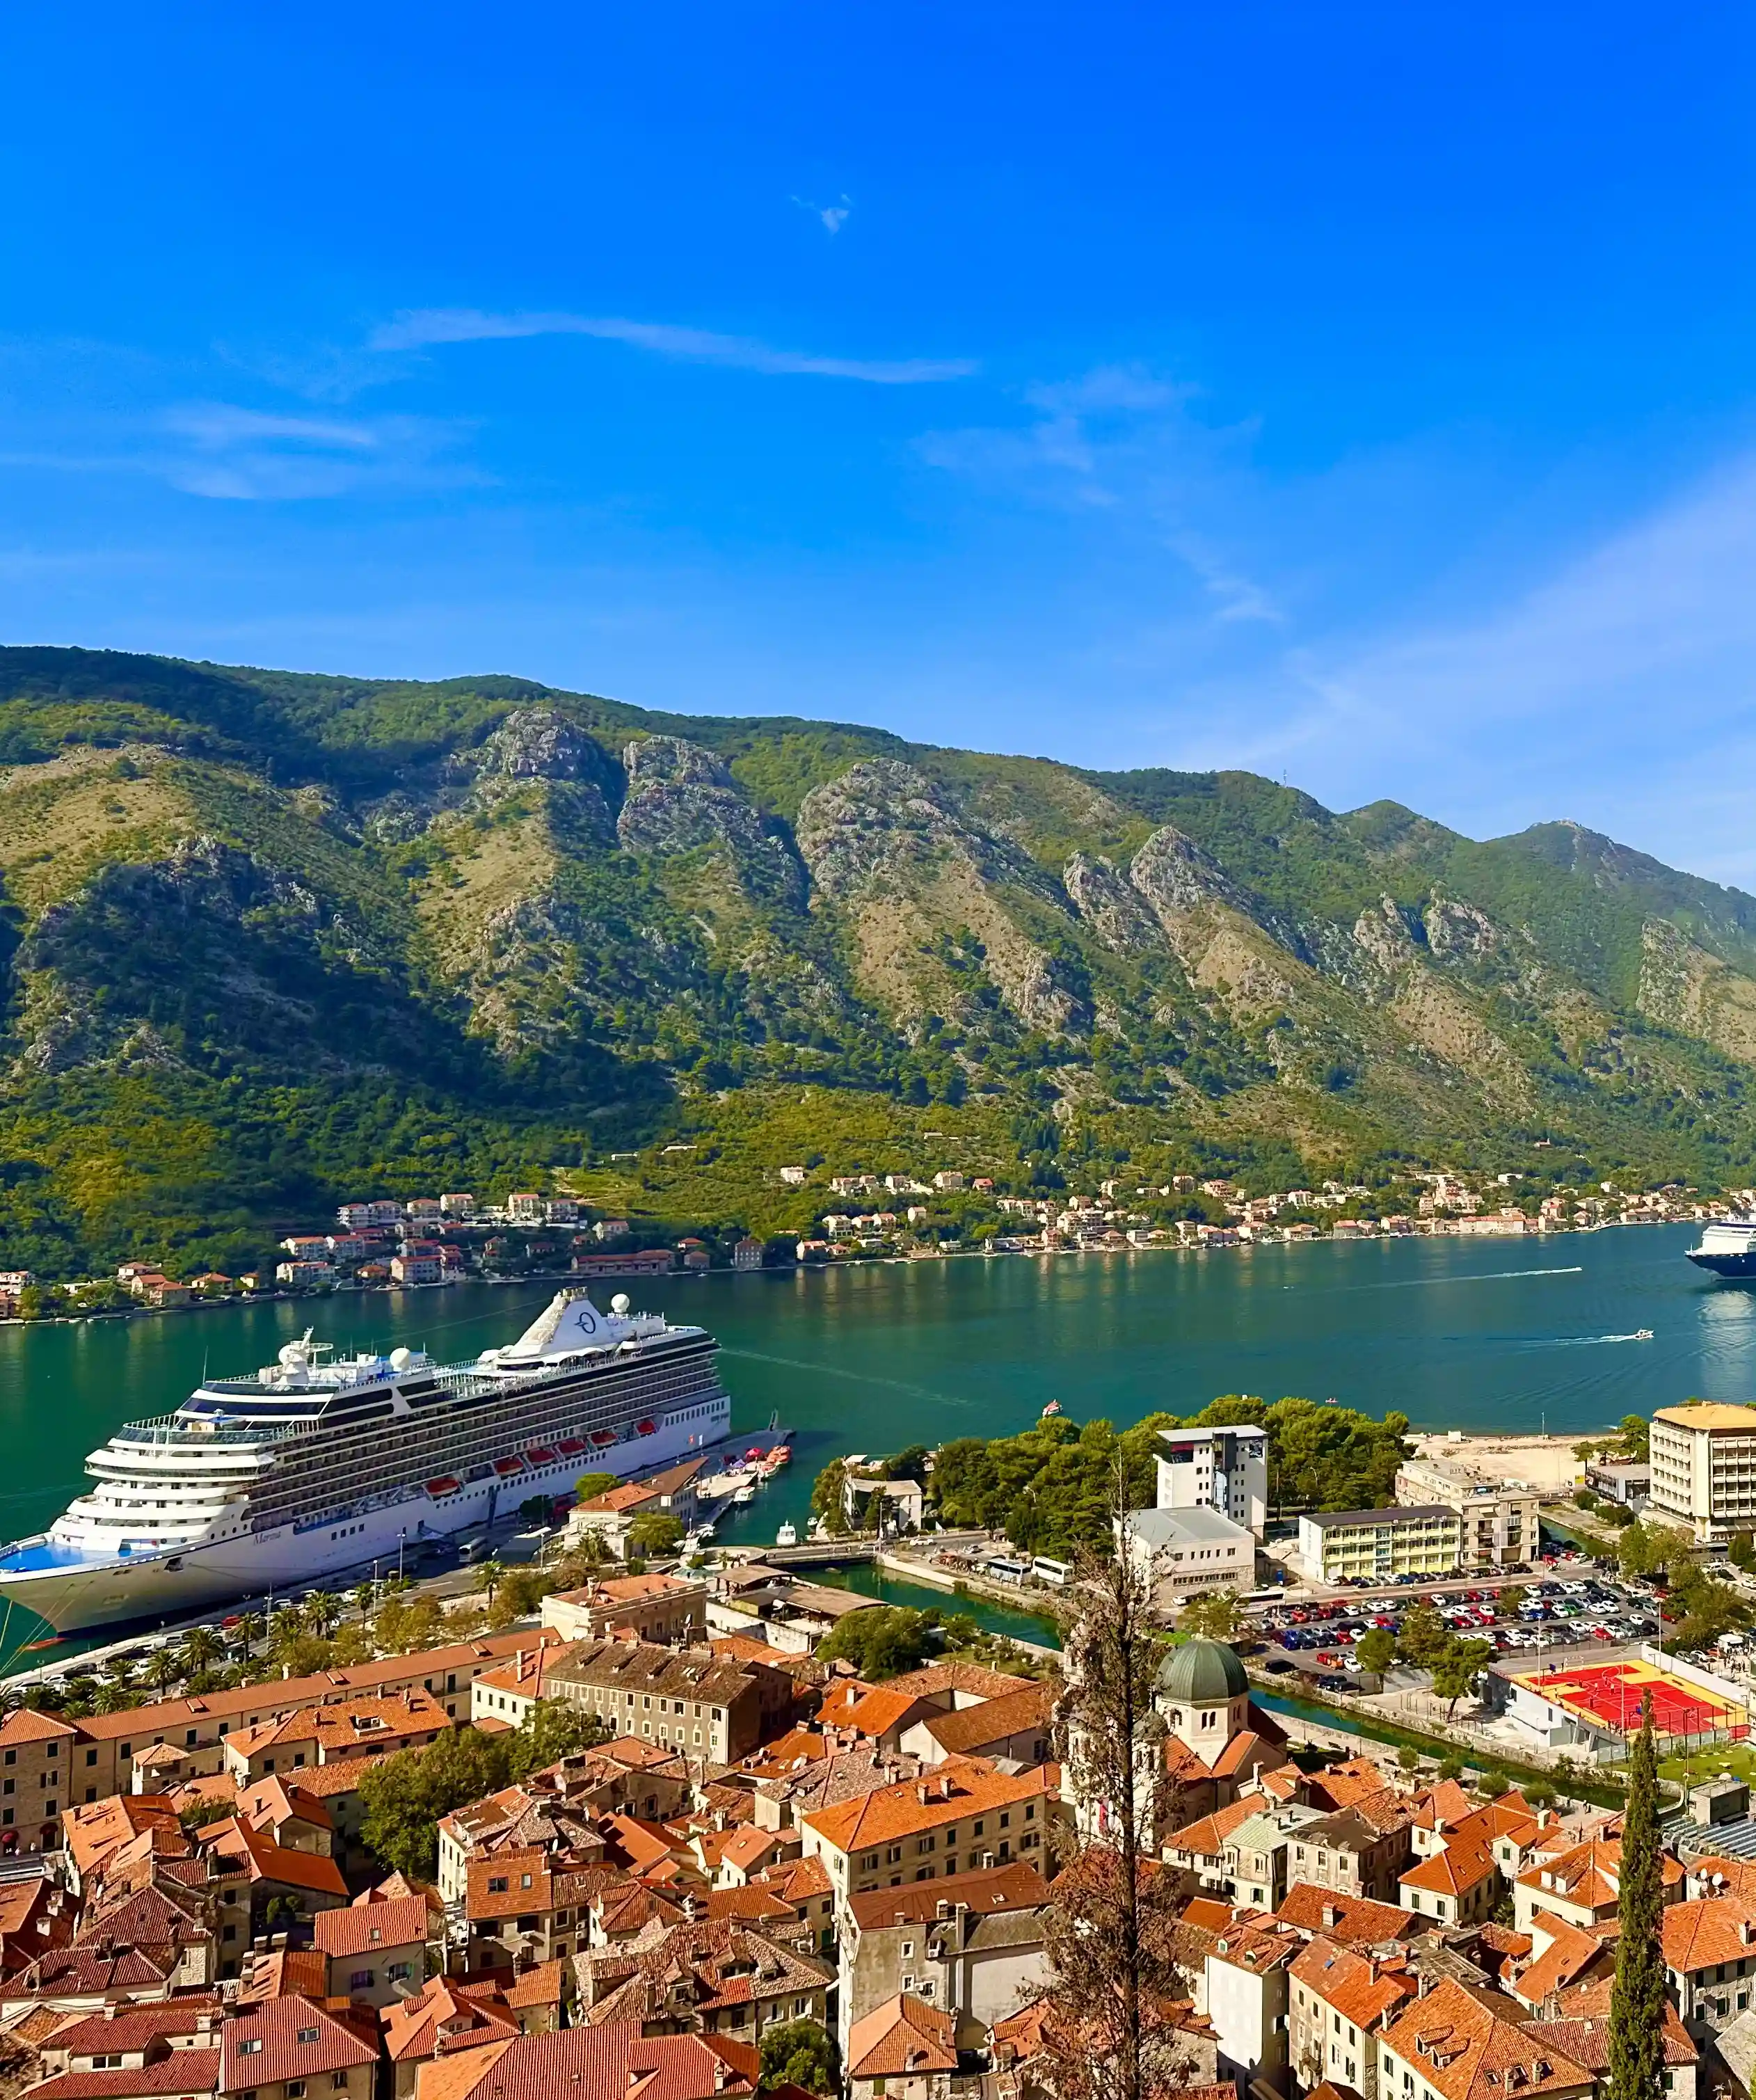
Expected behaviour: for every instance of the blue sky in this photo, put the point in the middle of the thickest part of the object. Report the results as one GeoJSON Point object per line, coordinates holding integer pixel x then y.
{"type": "Point", "coordinates": [1361, 394]}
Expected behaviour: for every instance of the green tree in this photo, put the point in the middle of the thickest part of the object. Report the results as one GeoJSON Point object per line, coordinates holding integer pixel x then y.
{"type": "Point", "coordinates": [1457, 1669]}
{"type": "Point", "coordinates": [798, 2053]}
{"type": "Point", "coordinates": [1634, 1434]}
{"type": "Point", "coordinates": [1377, 1651]}
{"type": "Point", "coordinates": [1741, 1551]}
{"type": "Point", "coordinates": [589, 1486]}
{"type": "Point", "coordinates": [883, 1640]}
{"type": "Point", "coordinates": [1647, 1549]}
{"type": "Point", "coordinates": [200, 1648]}
{"type": "Point", "coordinates": [405, 1798]}
{"type": "Point", "coordinates": [1210, 1618]}
{"type": "Point", "coordinates": [655, 1534]}
{"type": "Point", "coordinates": [1423, 1636]}
{"type": "Point", "coordinates": [1409, 1758]}
{"type": "Point", "coordinates": [1637, 1997]}
{"type": "Point", "coordinates": [1512, 1600]}
{"type": "Point", "coordinates": [1451, 1766]}
{"type": "Point", "coordinates": [553, 1729]}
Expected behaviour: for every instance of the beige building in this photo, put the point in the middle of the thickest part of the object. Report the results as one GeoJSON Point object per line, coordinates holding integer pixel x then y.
{"type": "Point", "coordinates": [657, 1608]}
{"type": "Point", "coordinates": [1339, 1545]}
{"type": "Point", "coordinates": [687, 1700]}
{"type": "Point", "coordinates": [1704, 1469]}
{"type": "Point", "coordinates": [1499, 1522]}
{"type": "Point", "coordinates": [1186, 1553]}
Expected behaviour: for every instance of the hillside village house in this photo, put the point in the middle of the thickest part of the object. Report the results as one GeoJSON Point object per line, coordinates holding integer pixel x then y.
{"type": "Point", "coordinates": [966, 1816]}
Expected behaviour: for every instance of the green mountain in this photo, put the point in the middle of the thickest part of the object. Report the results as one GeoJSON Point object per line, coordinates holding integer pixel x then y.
{"type": "Point", "coordinates": [271, 940]}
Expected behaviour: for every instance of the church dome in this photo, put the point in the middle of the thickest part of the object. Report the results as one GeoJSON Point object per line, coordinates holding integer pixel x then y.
{"type": "Point", "coordinates": [1202, 1673]}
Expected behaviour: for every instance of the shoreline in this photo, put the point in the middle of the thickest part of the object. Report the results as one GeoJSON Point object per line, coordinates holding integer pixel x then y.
{"type": "Point", "coordinates": [556, 1276]}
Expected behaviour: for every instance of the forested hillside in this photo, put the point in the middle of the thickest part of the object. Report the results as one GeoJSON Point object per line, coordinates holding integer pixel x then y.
{"type": "Point", "coordinates": [272, 939]}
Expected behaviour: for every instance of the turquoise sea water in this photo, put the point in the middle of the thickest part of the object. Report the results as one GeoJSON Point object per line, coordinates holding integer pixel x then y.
{"type": "Point", "coordinates": [1501, 1334]}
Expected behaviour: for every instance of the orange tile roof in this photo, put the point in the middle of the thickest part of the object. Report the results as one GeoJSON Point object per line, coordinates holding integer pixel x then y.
{"type": "Point", "coordinates": [960, 1787]}
{"type": "Point", "coordinates": [882, 1709]}
{"type": "Point", "coordinates": [362, 1929]}
{"type": "Point", "coordinates": [1360, 1989]}
{"type": "Point", "coordinates": [1460, 1867]}
{"type": "Point", "coordinates": [1567, 1952]}
{"type": "Point", "coordinates": [94, 1830]}
{"type": "Point", "coordinates": [1207, 1835]}
{"type": "Point", "coordinates": [1700, 1936]}
{"type": "Point", "coordinates": [902, 2038]}
{"type": "Point", "coordinates": [1465, 2051]}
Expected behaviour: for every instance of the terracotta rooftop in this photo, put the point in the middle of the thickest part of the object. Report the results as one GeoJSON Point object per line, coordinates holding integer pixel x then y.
{"type": "Point", "coordinates": [902, 2038]}
{"type": "Point", "coordinates": [367, 1928]}
{"type": "Point", "coordinates": [1014, 1887]}
{"type": "Point", "coordinates": [1465, 2050]}
{"type": "Point", "coordinates": [960, 1787]}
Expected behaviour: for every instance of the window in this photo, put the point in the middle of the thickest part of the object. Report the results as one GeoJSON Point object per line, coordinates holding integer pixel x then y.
{"type": "Point", "coordinates": [496, 1885]}
{"type": "Point", "coordinates": [304, 2034]}
{"type": "Point", "coordinates": [251, 2045]}
{"type": "Point", "coordinates": [92, 1757]}
{"type": "Point", "coordinates": [295, 2089]}
{"type": "Point", "coordinates": [361, 1979]}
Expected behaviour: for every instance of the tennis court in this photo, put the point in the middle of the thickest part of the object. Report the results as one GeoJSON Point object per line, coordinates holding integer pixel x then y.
{"type": "Point", "coordinates": [1613, 1694]}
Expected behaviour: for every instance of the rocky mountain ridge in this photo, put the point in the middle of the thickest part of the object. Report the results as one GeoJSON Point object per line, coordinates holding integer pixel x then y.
{"type": "Point", "coordinates": [483, 920]}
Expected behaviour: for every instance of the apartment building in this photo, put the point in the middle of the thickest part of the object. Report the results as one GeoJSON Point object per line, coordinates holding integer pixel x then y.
{"type": "Point", "coordinates": [1498, 1521]}
{"type": "Point", "coordinates": [1340, 1545]}
{"type": "Point", "coordinates": [1704, 1469]}
{"type": "Point", "coordinates": [1341, 1999]}
{"type": "Point", "coordinates": [1224, 1469]}
{"type": "Point", "coordinates": [966, 1816]}
{"type": "Point", "coordinates": [688, 1699]}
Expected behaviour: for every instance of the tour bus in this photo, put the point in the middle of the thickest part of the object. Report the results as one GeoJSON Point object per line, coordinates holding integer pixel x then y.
{"type": "Point", "coordinates": [1008, 1571]}
{"type": "Point", "coordinates": [1056, 1573]}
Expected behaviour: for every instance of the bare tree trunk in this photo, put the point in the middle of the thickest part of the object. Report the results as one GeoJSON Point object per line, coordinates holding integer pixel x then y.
{"type": "Point", "coordinates": [1112, 1936]}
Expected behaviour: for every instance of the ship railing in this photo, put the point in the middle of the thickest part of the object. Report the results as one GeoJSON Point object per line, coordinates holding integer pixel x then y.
{"type": "Point", "coordinates": [165, 1429]}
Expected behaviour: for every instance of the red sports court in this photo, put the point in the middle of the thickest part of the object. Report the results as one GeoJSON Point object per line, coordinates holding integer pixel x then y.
{"type": "Point", "coordinates": [1613, 1694]}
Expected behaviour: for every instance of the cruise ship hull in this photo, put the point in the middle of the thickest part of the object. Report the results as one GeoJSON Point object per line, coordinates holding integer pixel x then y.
{"type": "Point", "coordinates": [1732, 1265]}
{"type": "Point", "coordinates": [79, 1597]}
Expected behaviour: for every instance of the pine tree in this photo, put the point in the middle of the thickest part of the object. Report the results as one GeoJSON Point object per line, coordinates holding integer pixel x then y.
{"type": "Point", "coordinates": [1637, 2000]}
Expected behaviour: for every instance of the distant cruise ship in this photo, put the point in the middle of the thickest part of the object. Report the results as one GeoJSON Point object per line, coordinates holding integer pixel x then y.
{"type": "Point", "coordinates": [315, 1465]}
{"type": "Point", "coordinates": [1728, 1247]}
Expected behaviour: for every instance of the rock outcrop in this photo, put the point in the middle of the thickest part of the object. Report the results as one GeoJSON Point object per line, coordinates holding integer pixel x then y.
{"type": "Point", "coordinates": [1111, 907]}
{"type": "Point", "coordinates": [682, 798]}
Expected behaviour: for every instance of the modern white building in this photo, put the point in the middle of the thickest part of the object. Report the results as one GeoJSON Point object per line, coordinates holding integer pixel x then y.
{"type": "Point", "coordinates": [1225, 1470]}
{"type": "Point", "coordinates": [1704, 1469]}
{"type": "Point", "coordinates": [1188, 1553]}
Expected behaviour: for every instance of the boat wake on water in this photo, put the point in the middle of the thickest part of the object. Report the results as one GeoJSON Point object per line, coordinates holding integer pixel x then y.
{"type": "Point", "coordinates": [1431, 1283]}
{"type": "Point", "coordinates": [836, 1370]}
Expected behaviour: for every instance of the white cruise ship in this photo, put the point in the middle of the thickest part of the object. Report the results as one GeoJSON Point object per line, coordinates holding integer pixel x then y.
{"type": "Point", "coordinates": [318, 1464]}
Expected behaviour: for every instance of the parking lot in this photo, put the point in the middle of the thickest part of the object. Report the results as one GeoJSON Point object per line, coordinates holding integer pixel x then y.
{"type": "Point", "coordinates": [1564, 1602]}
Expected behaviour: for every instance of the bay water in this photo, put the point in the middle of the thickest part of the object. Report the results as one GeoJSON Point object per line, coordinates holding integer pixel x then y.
{"type": "Point", "coordinates": [1491, 1335]}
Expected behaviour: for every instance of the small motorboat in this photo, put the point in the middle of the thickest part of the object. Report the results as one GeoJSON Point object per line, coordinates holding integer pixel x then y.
{"type": "Point", "coordinates": [1643, 1334]}
{"type": "Point", "coordinates": [788, 1535]}
{"type": "Point", "coordinates": [745, 1493]}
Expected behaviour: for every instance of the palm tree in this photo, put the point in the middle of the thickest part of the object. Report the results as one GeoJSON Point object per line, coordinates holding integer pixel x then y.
{"type": "Point", "coordinates": [250, 1629]}
{"type": "Point", "coordinates": [164, 1669]}
{"type": "Point", "coordinates": [487, 1576]}
{"type": "Point", "coordinates": [321, 1614]}
{"type": "Point", "coordinates": [201, 1648]}
{"type": "Point", "coordinates": [363, 1597]}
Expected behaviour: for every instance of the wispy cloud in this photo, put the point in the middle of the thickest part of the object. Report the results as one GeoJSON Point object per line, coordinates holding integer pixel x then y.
{"type": "Point", "coordinates": [1124, 440]}
{"type": "Point", "coordinates": [832, 217]}
{"type": "Point", "coordinates": [233, 454]}
{"type": "Point", "coordinates": [425, 328]}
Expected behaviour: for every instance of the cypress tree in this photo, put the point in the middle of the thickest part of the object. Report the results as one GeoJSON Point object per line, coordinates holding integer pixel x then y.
{"type": "Point", "coordinates": [1637, 2000]}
